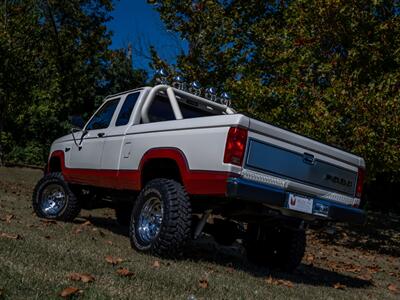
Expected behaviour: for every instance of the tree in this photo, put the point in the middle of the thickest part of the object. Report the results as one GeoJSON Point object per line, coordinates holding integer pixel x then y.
{"type": "Point", "coordinates": [57, 63]}
{"type": "Point", "coordinates": [329, 69]}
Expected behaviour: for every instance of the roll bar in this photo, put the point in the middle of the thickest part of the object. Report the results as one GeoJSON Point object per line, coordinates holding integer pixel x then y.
{"type": "Point", "coordinates": [171, 93]}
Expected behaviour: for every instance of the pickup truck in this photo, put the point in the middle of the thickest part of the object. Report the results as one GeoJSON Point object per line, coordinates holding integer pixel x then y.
{"type": "Point", "coordinates": [174, 165]}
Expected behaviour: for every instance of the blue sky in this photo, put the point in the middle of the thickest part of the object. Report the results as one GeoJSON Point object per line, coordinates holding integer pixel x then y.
{"type": "Point", "coordinates": [136, 22]}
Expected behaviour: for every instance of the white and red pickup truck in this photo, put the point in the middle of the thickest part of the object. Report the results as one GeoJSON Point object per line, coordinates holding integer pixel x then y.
{"type": "Point", "coordinates": [174, 164]}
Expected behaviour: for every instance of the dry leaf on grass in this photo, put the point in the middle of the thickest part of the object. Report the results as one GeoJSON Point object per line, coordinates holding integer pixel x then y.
{"type": "Point", "coordinates": [8, 218]}
{"type": "Point", "coordinates": [109, 242]}
{"type": "Point", "coordinates": [84, 277]}
{"type": "Point", "coordinates": [87, 223]}
{"type": "Point", "coordinates": [203, 283]}
{"type": "Point", "coordinates": [373, 269]}
{"type": "Point", "coordinates": [11, 236]}
{"type": "Point", "coordinates": [113, 260]}
{"type": "Point", "coordinates": [310, 258]}
{"type": "Point", "coordinates": [391, 287]}
{"type": "Point", "coordinates": [283, 282]}
{"type": "Point", "coordinates": [48, 222]}
{"type": "Point", "coordinates": [69, 291]}
{"type": "Point", "coordinates": [124, 272]}
{"type": "Point", "coordinates": [339, 286]}
{"type": "Point", "coordinates": [156, 264]}
{"type": "Point", "coordinates": [367, 277]}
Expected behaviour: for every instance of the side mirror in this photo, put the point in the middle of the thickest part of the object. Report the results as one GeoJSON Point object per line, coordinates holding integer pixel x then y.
{"type": "Point", "coordinates": [77, 121]}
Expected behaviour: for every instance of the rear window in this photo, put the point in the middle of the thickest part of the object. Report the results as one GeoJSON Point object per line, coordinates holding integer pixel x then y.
{"type": "Point", "coordinates": [161, 110]}
{"type": "Point", "coordinates": [126, 109]}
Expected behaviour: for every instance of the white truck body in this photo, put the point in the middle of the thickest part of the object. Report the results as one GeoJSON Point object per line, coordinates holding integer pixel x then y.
{"type": "Point", "coordinates": [322, 181]}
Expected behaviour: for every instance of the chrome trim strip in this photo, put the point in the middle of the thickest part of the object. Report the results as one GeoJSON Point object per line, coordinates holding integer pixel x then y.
{"type": "Point", "coordinates": [298, 187]}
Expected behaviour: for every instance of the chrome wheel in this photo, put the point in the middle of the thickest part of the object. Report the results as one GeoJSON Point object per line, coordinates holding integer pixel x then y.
{"type": "Point", "coordinates": [53, 199]}
{"type": "Point", "coordinates": [150, 219]}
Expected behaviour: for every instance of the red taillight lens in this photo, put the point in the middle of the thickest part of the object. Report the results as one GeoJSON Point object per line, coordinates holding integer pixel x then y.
{"type": "Point", "coordinates": [360, 182]}
{"type": "Point", "coordinates": [235, 146]}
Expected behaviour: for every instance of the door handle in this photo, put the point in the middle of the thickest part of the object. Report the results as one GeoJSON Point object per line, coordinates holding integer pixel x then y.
{"type": "Point", "coordinates": [101, 134]}
{"type": "Point", "coordinates": [308, 158]}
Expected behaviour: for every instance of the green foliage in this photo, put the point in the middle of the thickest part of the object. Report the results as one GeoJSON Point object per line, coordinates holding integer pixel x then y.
{"type": "Point", "coordinates": [56, 63]}
{"type": "Point", "coordinates": [31, 153]}
{"type": "Point", "coordinates": [329, 69]}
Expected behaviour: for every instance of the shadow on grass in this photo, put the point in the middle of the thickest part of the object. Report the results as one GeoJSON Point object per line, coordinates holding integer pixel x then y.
{"type": "Point", "coordinates": [206, 250]}
{"type": "Point", "coordinates": [380, 234]}
{"type": "Point", "coordinates": [234, 257]}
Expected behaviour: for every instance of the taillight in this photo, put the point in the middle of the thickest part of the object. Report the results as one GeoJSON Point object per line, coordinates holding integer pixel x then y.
{"type": "Point", "coordinates": [235, 146]}
{"type": "Point", "coordinates": [360, 182]}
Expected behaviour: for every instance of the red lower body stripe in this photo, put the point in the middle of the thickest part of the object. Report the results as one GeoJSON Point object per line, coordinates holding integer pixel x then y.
{"type": "Point", "coordinates": [195, 182]}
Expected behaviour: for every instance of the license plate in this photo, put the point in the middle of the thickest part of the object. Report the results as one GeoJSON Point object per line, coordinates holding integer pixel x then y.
{"type": "Point", "coordinates": [300, 203]}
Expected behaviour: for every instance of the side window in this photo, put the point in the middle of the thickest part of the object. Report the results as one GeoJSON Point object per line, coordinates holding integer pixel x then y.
{"type": "Point", "coordinates": [103, 117]}
{"type": "Point", "coordinates": [161, 110]}
{"type": "Point", "coordinates": [126, 109]}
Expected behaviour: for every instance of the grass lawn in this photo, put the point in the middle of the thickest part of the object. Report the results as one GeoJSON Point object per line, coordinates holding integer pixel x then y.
{"type": "Point", "coordinates": [38, 259]}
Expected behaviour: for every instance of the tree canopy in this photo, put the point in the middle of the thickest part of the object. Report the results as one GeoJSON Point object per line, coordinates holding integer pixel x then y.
{"type": "Point", "coordinates": [56, 62]}
{"type": "Point", "coordinates": [327, 69]}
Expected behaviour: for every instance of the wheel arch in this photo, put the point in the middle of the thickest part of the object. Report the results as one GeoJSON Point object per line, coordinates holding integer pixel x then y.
{"type": "Point", "coordinates": [56, 162]}
{"type": "Point", "coordinates": [167, 163]}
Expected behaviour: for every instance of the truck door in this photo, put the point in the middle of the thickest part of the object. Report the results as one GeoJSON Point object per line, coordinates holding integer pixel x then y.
{"type": "Point", "coordinates": [114, 139]}
{"type": "Point", "coordinates": [85, 161]}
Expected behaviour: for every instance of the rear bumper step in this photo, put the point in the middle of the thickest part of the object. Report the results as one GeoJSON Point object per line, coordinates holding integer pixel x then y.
{"type": "Point", "coordinates": [247, 190]}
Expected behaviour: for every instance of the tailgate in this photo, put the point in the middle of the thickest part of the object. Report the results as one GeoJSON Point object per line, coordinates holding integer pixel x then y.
{"type": "Point", "coordinates": [285, 154]}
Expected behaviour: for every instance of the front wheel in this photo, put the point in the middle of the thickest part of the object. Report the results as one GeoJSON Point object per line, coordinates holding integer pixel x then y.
{"type": "Point", "coordinates": [53, 199]}
{"type": "Point", "coordinates": [161, 219]}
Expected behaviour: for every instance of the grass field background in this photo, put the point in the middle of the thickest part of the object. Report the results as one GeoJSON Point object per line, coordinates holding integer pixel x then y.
{"type": "Point", "coordinates": [38, 259]}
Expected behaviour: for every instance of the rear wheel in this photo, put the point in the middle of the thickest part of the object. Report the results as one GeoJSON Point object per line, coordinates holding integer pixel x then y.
{"type": "Point", "coordinates": [275, 247]}
{"type": "Point", "coordinates": [161, 219]}
{"type": "Point", "coordinates": [53, 199]}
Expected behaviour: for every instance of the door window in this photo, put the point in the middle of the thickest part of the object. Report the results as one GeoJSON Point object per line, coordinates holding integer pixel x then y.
{"type": "Point", "coordinates": [126, 110]}
{"type": "Point", "coordinates": [103, 117]}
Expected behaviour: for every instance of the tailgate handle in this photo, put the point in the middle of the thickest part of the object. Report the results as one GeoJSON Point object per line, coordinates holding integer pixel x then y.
{"type": "Point", "coordinates": [308, 158]}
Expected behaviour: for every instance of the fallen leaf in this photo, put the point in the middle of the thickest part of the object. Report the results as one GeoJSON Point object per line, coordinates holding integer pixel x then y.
{"type": "Point", "coordinates": [124, 272]}
{"type": "Point", "coordinates": [391, 287]}
{"type": "Point", "coordinates": [286, 283]}
{"type": "Point", "coordinates": [373, 268]}
{"type": "Point", "coordinates": [9, 218]}
{"type": "Point", "coordinates": [203, 283]}
{"type": "Point", "coordinates": [367, 277]}
{"type": "Point", "coordinates": [113, 260]}
{"type": "Point", "coordinates": [69, 291]}
{"type": "Point", "coordinates": [84, 277]}
{"type": "Point", "coordinates": [48, 222]}
{"type": "Point", "coordinates": [339, 286]}
{"type": "Point", "coordinates": [109, 242]}
{"type": "Point", "coordinates": [310, 258]}
{"type": "Point", "coordinates": [269, 280]}
{"type": "Point", "coordinates": [11, 236]}
{"type": "Point", "coordinates": [156, 264]}
{"type": "Point", "coordinates": [283, 282]}
{"type": "Point", "coordinates": [87, 223]}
